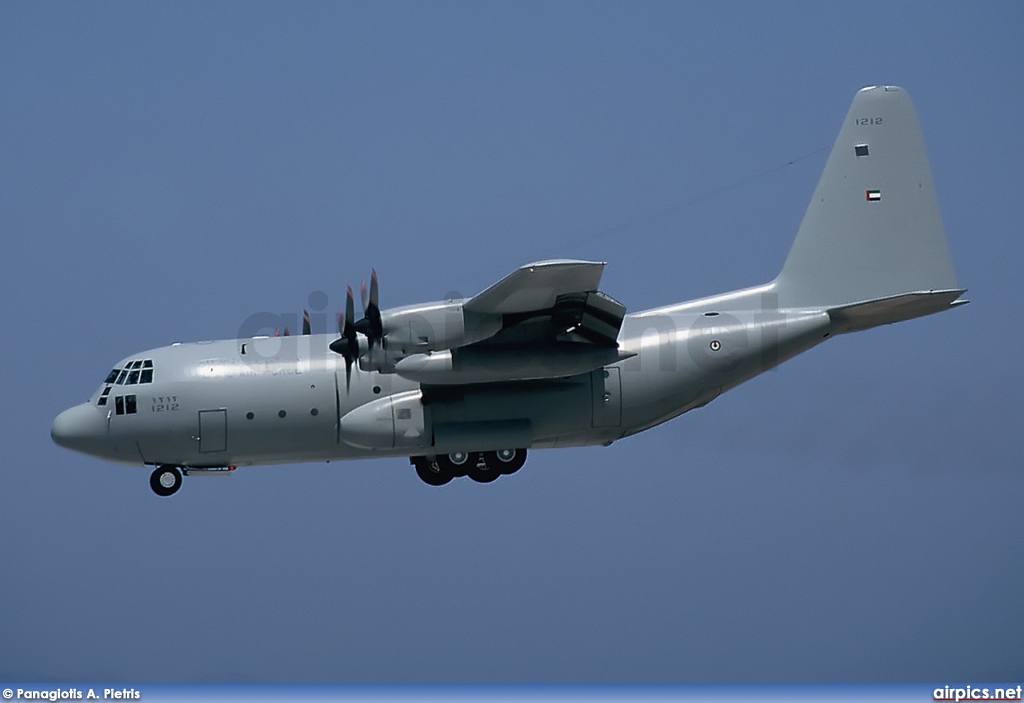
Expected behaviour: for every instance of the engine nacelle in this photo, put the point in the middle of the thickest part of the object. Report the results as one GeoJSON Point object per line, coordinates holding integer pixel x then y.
{"type": "Point", "coordinates": [435, 326]}
{"type": "Point", "coordinates": [494, 364]}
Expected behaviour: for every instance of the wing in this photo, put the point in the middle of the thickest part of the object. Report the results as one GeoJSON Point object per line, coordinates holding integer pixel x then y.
{"type": "Point", "coordinates": [544, 320]}
{"type": "Point", "coordinates": [537, 286]}
{"type": "Point", "coordinates": [551, 301]}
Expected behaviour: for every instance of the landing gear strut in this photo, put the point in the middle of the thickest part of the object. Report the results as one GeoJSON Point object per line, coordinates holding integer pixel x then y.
{"type": "Point", "coordinates": [165, 480]}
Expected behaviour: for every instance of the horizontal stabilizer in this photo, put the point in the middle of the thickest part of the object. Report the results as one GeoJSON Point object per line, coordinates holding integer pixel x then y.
{"type": "Point", "coordinates": [884, 311]}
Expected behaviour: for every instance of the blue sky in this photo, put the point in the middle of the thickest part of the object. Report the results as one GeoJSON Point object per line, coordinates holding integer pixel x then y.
{"type": "Point", "coordinates": [170, 169]}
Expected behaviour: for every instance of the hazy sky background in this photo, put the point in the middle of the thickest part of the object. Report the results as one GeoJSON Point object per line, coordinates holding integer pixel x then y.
{"type": "Point", "coordinates": [167, 170]}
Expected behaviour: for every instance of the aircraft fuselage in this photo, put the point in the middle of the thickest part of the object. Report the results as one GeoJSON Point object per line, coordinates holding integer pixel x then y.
{"type": "Point", "coordinates": [286, 399]}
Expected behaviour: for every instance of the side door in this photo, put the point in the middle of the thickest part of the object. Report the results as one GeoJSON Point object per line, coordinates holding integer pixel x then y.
{"type": "Point", "coordinates": [213, 431]}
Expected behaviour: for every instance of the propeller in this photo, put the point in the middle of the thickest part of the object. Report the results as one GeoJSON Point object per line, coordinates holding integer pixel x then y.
{"type": "Point", "coordinates": [347, 345]}
{"type": "Point", "coordinates": [306, 327]}
{"type": "Point", "coordinates": [371, 326]}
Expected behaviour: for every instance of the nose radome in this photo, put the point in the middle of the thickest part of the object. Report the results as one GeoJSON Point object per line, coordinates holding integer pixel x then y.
{"type": "Point", "coordinates": [79, 428]}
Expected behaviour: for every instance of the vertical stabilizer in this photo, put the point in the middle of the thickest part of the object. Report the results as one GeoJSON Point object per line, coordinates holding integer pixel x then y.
{"type": "Point", "coordinates": [873, 229]}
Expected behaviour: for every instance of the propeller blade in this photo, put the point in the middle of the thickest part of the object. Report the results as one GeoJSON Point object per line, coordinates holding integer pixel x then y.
{"type": "Point", "coordinates": [286, 332]}
{"type": "Point", "coordinates": [348, 344]}
{"type": "Point", "coordinates": [306, 327]}
{"type": "Point", "coordinates": [374, 292]}
{"type": "Point", "coordinates": [376, 325]}
{"type": "Point", "coordinates": [371, 324]}
{"type": "Point", "coordinates": [350, 314]}
{"type": "Point", "coordinates": [277, 332]}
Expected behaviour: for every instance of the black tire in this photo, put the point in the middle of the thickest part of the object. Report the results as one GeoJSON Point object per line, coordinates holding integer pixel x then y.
{"type": "Point", "coordinates": [165, 480]}
{"type": "Point", "coordinates": [457, 463]}
{"type": "Point", "coordinates": [430, 472]}
{"type": "Point", "coordinates": [507, 461]}
{"type": "Point", "coordinates": [483, 471]}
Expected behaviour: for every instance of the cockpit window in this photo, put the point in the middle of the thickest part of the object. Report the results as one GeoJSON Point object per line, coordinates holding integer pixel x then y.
{"type": "Point", "coordinates": [125, 405]}
{"type": "Point", "coordinates": [132, 373]}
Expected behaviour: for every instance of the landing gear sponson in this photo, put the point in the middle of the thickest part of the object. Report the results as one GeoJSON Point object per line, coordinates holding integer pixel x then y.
{"type": "Point", "coordinates": [482, 467]}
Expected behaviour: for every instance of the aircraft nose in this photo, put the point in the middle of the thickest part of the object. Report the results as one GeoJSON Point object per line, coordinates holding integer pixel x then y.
{"type": "Point", "coordinates": [79, 428]}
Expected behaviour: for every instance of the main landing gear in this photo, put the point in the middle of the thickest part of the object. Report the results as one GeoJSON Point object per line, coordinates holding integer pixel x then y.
{"type": "Point", "coordinates": [482, 467]}
{"type": "Point", "coordinates": [165, 480]}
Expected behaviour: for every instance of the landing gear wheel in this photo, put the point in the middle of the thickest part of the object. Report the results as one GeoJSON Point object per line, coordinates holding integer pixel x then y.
{"type": "Point", "coordinates": [483, 471]}
{"type": "Point", "coordinates": [506, 461]}
{"type": "Point", "coordinates": [165, 480]}
{"type": "Point", "coordinates": [456, 463]}
{"type": "Point", "coordinates": [431, 472]}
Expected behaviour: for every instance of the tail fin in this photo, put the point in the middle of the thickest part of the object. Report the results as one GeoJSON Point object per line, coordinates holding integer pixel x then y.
{"type": "Point", "coordinates": [873, 232]}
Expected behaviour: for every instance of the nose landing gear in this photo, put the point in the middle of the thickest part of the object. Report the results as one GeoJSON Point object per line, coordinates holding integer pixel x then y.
{"type": "Point", "coordinates": [165, 480]}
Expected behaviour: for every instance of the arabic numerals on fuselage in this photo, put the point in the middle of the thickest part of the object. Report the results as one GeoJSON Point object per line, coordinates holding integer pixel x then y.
{"type": "Point", "coordinates": [165, 403]}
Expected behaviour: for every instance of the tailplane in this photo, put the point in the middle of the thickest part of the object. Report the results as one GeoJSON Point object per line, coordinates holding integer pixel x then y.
{"type": "Point", "coordinates": [871, 245]}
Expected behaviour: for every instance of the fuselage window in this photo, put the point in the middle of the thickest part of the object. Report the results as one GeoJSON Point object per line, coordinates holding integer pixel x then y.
{"type": "Point", "coordinates": [147, 364]}
{"type": "Point", "coordinates": [119, 404]}
{"type": "Point", "coordinates": [147, 376]}
{"type": "Point", "coordinates": [133, 378]}
{"type": "Point", "coordinates": [112, 376]}
{"type": "Point", "coordinates": [121, 376]}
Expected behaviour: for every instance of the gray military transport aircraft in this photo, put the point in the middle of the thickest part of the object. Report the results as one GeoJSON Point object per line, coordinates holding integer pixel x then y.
{"type": "Point", "coordinates": [542, 358]}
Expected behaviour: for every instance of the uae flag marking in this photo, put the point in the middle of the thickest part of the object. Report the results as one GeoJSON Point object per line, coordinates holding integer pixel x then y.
{"type": "Point", "coordinates": [874, 195]}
